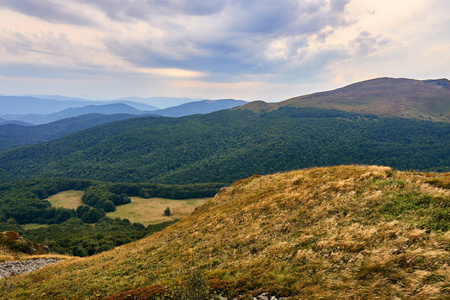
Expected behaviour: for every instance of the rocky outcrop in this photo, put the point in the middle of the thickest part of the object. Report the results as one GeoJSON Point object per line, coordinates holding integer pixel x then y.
{"type": "Point", "coordinates": [12, 241]}
{"type": "Point", "coordinates": [10, 268]}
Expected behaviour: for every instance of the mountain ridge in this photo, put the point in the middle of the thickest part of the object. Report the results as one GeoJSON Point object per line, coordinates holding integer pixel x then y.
{"type": "Point", "coordinates": [104, 109]}
{"type": "Point", "coordinates": [199, 107]}
{"type": "Point", "coordinates": [385, 97]}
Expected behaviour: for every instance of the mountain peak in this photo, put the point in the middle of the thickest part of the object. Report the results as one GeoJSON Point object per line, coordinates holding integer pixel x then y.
{"type": "Point", "coordinates": [386, 97]}
{"type": "Point", "coordinates": [441, 82]}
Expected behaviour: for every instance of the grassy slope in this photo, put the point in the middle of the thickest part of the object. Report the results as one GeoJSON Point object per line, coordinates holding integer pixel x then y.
{"type": "Point", "coordinates": [339, 232]}
{"type": "Point", "coordinates": [406, 98]}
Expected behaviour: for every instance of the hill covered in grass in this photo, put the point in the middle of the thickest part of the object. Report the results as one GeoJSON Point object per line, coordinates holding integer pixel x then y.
{"type": "Point", "coordinates": [385, 97]}
{"type": "Point", "coordinates": [345, 232]}
{"type": "Point", "coordinates": [229, 145]}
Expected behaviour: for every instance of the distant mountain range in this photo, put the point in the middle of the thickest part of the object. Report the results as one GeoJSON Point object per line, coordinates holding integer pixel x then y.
{"type": "Point", "coordinates": [199, 107]}
{"type": "Point", "coordinates": [107, 109]}
{"type": "Point", "coordinates": [23, 105]}
{"type": "Point", "coordinates": [118, 107]}
{"type": "Point", "coordinates": [19, 131]}
{"type": "Point", "coordinates": [160, 102]}
{"type": "Point", "coordinates": [4, 122]}
{"type": "Point", "coordinates": [385, 97]}
{"type": "Point", "coordinates": [156, 102]}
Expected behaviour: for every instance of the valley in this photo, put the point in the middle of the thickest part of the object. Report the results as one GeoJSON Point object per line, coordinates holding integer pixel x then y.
{"type": "Point", "coordinates": [334, 195]}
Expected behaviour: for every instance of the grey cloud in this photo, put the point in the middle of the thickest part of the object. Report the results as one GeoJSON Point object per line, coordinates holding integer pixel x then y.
{"type": "Point", "coordinates": [121, 10]}
{"type": "Point", "coordinates": [48, 11]}
{"type": "Point", "coordinates": [237, 36]}
{"type": "Point", "coordinates": [339, 5]}
{"type": "Point", "coordinates": [46, 43]}
{"type": "Point", "coordinates": [366, 43]}
{"type": "Point", "coordinates": [39, 71]}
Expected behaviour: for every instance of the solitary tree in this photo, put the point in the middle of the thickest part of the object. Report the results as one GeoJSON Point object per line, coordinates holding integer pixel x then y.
{"type": "Point", "coordinates": [167, 212]}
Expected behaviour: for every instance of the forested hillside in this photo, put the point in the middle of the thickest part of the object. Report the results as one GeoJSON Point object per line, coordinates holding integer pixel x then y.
{"type": "Point", "coordinates": [228, 145]}
{"type": "Point", "coordinates": [14, 135]}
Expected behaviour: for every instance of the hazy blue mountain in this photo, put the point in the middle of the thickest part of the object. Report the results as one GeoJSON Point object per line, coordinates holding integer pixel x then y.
{"type": "Point", "coordinates": [199, 107]}
{"type": "Point", "coordinates": [5, 122]}
{"type": "Point", "coordinates": [58, 97]}
{"type": "Point", "coordinates": [107, 109]}
{"type": "Point", "coordinates": [24, 105]}
{"type": "Point", "coordinates": [30, 105]}
{"type": "Point", "coordinates": [137, 105]}
{"type": "Point", "coordinates": [160, 102]}
{"type": "Point", "coordinates": [14, 135]}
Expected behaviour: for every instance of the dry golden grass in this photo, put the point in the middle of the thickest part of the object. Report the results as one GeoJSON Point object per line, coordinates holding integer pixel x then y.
{"type": "Point", "coordinates": [346, 232]}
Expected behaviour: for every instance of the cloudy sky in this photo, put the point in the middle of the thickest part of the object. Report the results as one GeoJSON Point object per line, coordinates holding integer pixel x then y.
{"type": "Point", "coordinates": [242, 49]}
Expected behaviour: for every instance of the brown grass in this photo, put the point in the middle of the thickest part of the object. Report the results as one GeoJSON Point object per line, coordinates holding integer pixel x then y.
{"type": "Point", "coordinates": [321, 233]}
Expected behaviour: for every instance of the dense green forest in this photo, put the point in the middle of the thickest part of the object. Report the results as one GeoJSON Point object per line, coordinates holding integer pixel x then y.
{"type": "Point", "coordinates": [85, 230]}
{"type": "Point", "coordinates": [229, 145]}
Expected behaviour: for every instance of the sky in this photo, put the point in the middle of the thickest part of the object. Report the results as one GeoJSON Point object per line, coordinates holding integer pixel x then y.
{"type": "Point", "coordinates": [243, 49]}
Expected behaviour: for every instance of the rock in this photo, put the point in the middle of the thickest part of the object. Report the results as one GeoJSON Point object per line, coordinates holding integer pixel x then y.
{"type": "Point", "coordinates": [10, 268]}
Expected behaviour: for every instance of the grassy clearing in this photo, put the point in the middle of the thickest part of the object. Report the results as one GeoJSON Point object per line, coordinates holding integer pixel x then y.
{"type": "Point", "coordinates": [347, 232]}
{"type": "Point", "coordinates": [33, 226]}
{"type": "Point", "coordinates": [68, 199]}
{"type": "Point", "coordinates": [151, 211]}
{"type": "Point", "coordinates": [140, 210]}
